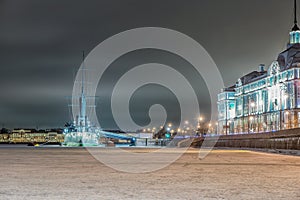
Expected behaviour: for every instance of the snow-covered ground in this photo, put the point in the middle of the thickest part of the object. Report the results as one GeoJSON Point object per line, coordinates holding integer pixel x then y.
{"type": "Point", "coordinates": [72, 173]}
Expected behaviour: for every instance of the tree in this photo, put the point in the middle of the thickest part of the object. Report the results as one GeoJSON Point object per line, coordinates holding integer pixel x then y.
{"type": "Point", "coordinates": [5, 130]}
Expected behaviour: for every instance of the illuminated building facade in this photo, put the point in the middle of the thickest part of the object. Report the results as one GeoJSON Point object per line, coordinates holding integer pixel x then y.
{"type": "Point", "coordinates": [226, 108]}
{"type": "Point", "coordinates": [265, 100]}
{"type": "Point", "coordinates": [31, 136]}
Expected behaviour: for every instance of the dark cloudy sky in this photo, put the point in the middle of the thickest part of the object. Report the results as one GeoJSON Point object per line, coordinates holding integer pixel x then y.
{"type": "Point", "coordinates": [41, 43]}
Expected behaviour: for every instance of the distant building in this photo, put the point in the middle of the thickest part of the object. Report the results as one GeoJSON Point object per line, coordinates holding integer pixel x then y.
{"type": "Point", "coordinates": [265, 100]}
{"type": "Point", "coordinates": [32, 136]}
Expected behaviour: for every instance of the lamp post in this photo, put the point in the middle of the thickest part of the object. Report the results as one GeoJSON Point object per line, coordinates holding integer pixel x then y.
{"type": "Point", "coordinates": [288, 120]}
{"type": "Point", "coordinates": [209, 127]}
{"type": "Point", "coordinates": [260, 108]}
{"type": "Point", "coordinates": [229, 124]}
{"type": "Point", "coordinates": [250, 119]}
{"type": "Point", "coordinates": [252, 105]}
{"type": "Point", "coordinates": [199, 126]}
{"type": "Point", "coordinates": [178, 131]}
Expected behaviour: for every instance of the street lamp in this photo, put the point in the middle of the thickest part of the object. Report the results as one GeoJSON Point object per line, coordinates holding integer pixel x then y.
{"type": "Point", "coordinates": [200, 120]}
{"type": "Point", "coordinates": [252, 105]}
{"type": "Point", "coordinates": [250, 119]}
{"type": "Point", "coordinates": [228, 125]}
{"type": "Point", "coordinates": [217, 128]}
{"type": "Point", "coordinates": [199, 126]}
{"type": "Point", "coordinates": [209, 127]}
{"type": "Point", "coordinates": [153, 130]}
{"type": "Point", "coordinates": [288, 120]}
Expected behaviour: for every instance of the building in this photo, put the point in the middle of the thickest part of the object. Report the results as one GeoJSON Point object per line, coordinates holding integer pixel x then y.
{"type": "Point", "coordinates": [31, 136]}
{"type": "Point", "coordinates": [226, 108]}
{"type": "Point", "coordinates": [265, 100]}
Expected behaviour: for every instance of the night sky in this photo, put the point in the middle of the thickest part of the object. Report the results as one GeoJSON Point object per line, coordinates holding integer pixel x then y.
{"type": "Point", "coordinates": [41, 44]}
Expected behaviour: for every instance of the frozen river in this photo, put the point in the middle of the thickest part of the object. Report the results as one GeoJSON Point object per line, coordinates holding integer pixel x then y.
{"type": "Point", "coordinates": [72, 173]}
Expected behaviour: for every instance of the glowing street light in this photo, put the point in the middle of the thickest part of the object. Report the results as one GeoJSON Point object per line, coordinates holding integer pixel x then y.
{"type": "Point", "coordinates": [217, 128]}
{"type": "Point", "coordinates": [209, 128]}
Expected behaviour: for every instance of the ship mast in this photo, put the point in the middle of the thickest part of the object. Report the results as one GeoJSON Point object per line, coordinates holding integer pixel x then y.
{"type": "Point", "coordinates": [82, 121]}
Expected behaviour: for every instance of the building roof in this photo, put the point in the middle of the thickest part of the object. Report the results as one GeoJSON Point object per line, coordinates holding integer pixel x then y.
{"type": "Point", "coordinates": [253, 76]}
{"type": "Point", "coordinates": [230, 89]}
{"type": "Point", "coordinates": [289, 57]}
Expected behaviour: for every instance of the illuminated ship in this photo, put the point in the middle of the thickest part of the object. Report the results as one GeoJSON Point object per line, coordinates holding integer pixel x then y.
{"type": "Point", "coordinates": [80, 132]}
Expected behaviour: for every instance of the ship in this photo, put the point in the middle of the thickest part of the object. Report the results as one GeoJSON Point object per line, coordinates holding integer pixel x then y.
{"type": "Point", "coordinates": [81, 132]}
